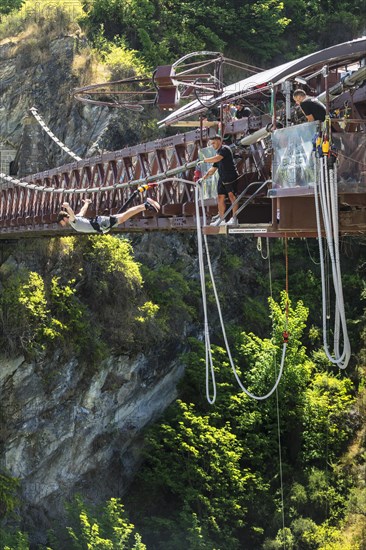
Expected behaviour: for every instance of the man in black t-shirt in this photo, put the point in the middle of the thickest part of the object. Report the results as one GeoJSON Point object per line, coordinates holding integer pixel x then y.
{"type": "Point", "coordinates": [223, 161]}
{"type": "Point", "coordinates": [312, 108]}
{"type": "Point", "coordinates": [242, 111]}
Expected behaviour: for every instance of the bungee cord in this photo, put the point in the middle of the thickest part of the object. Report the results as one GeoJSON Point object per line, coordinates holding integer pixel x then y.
{"type": "Point", "coordinates": [209, 362]}
{"type": "Point", "coordinates": [326, 203]}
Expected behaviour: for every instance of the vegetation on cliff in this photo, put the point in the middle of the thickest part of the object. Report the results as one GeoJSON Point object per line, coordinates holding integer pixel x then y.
{"type": "Point", "coordinates": [212, 478]}
{"type": "Point", "coordinates": [71, 305]}
{"type": "Point", "coordinates": [150, 33]}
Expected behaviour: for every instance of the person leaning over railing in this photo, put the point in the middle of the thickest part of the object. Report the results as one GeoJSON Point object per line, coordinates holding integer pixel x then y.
{"type": "Point", "coordinates": [312, 108]}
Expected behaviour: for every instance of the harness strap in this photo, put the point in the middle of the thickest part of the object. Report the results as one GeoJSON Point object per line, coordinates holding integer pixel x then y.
{"type": "Point", "coordinates": [95, 225]}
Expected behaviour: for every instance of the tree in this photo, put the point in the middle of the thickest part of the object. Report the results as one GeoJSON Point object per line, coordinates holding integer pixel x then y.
{"type": "Point", "coordinates": [193, 470]}
{"type": "Point", "coordinates": [107, 530]}
{"type": "Point", "coordinates": [10, 5]}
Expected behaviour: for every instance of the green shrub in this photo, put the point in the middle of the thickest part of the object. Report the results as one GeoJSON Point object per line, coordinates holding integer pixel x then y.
{"type": "Point", "coordinates": [55, 17]}
{"type": "Point", "coordinates": [106, 529]}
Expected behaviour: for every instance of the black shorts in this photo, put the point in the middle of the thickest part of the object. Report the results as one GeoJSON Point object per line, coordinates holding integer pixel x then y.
{"type": "Point", "coordinates": [113, 220]}
{"type": "Point", "coordinates": [103, 224]}
{"type": "Point", "coordinates": [226, 188]}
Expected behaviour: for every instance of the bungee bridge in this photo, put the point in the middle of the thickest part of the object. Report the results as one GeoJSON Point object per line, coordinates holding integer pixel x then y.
{"type": "Point", "coordinates": [282, 162]}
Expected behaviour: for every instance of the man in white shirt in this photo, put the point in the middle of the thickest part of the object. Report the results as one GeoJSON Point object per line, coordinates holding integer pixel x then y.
{"type": "Point", "coordinates": [100, 224]}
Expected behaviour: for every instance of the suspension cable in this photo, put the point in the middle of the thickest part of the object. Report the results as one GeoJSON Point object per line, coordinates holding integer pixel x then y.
{"type": "Point", "coordinates": [80, 190]}
{"type": "Point", "coordinates": [44, 126]}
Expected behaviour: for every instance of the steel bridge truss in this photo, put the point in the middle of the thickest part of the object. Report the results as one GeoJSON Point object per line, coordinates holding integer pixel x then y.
{"type": "Point", "coordinates": [32, 203]}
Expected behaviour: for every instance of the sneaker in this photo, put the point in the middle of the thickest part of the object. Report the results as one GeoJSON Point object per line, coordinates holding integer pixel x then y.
{"type": "Point", "coordinates": [232, 221]}
{"type": "Point", "coordinates": [217, 221]}
{"type": "Point", "coordinates": [152, 205]}
{"type": "Point", "coordinates": [215, 218]}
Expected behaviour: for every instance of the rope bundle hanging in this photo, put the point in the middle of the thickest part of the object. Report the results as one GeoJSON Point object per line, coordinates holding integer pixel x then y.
{"type": "Point", "coordinates": [210, 373]}
{"type": "Point", "coordinates": [326, 208]}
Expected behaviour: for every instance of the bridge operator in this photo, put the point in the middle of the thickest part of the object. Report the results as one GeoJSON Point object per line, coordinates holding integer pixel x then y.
{"type": "Point", "coordinates": [312, 108]}
{"type": "Point", "coordinates": [223, 161]}
{"type": "Point", "coordinates": [100, 224]}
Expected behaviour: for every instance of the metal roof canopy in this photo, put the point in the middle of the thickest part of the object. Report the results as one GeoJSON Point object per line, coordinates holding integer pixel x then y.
{"type": "Point", "coordinates": [335, 56]}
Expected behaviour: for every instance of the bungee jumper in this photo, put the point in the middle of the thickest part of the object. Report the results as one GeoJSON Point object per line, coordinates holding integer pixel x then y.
{"type": "Point", "coordinates": [102, 224]}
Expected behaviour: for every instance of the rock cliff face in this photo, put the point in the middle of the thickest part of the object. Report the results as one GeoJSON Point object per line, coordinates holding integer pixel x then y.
{"type": "Point", "coordinates": [41, 75]}
{"type": "Point", "coordinates": [63, 429]}
{"type": "Point", "coordinates": [68, 428]}
{"type": "Point", "coordinates": [65, 432]}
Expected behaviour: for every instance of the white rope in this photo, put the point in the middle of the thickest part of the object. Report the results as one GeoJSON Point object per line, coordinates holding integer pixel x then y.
{"type": "Point", "coordinates": [44, 126]}
{"type": "Point", "coordinates": [326, 201]}
{"type": "Point", "coordinates": [81, 190]}
{"type": "Point", "coordinates": [209, 362]}
{"type": "Point", "coordinates": [210, 373]}
{"type": "Point", "coordinates": [260, 248]}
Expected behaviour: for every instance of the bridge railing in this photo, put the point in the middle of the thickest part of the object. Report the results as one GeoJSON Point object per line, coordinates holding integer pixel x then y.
{"type": "Point", "coordinates": [110, 178]}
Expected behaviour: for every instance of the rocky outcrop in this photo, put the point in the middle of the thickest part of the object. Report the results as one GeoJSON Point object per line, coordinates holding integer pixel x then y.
{"type": "Point", "coordinates": [34, 73]}
{"type": "Point", "coordinates": [65, 430]}
{"type": "Point", "coordinates": [70, 427]}
{"type": "Point", "coordinates": [41, 72]}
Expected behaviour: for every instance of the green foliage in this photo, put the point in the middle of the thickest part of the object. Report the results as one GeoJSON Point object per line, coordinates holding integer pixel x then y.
{"type": "Point", "coordinates": [122, 62]}
{"type": "Point", "coordinates": [102, 264]}
{"type": "Point", "coordinates": [326, 417]}
{"type": "Point", "coordinates": [13, 540]}
{"type": "Point", "coordinates": [78, 330]}
{"type": "Point", "coordinates": [37, 315]}
{"type": "Point", "coordinates": [25, 316]}
{"type": "Point", "coordinates": [113, 255]}
{"type": "Point", "coordinates": [184, 477]}
{"type": "Point", "coordinates": [10, 539]}
{"type": "Point", "coordinates": [49, 18]}
{"type": "Point", "coordinates": [292, 29]}
{"type": "Point", "coordinates": [188, 26]}
{"type": "Point", "coordinates": [109, 531]}
{"type": "Point", "coordinates": [8, 494]}
{"type": "Point", "coordinates": [95, 301]}
{"type": "Point", "coordinates": [9, 5]}
{"type": "Point", "coordinates": [197, 467]}
{"type": "Point", "coordinates": [175, 296]}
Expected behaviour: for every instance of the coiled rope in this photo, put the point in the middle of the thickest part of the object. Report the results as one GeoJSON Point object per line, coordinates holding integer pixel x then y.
{"type": "Point", "coordinates": [326, 203]}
